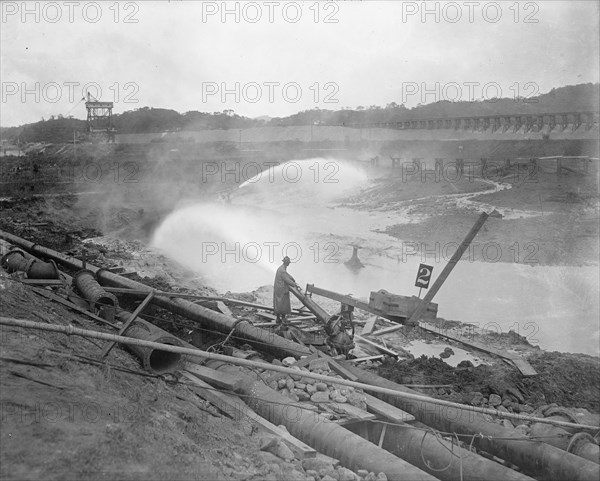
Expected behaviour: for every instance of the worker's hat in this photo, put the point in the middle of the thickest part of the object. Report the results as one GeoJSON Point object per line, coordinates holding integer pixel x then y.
{"type": "Point", "coordinates": [286, 259]}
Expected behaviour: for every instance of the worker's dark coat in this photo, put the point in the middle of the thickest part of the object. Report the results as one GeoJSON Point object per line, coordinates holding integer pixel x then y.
{"type": "Point", "coordinates": [281, 291]}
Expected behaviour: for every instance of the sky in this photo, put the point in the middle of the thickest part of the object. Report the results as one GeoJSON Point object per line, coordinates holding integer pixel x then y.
{"type": "Point", "coordinates": [277, 58]}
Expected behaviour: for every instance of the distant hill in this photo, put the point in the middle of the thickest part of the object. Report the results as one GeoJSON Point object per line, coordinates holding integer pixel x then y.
{"type": "Point", "coordinates": [564, 99]}
{"type": "Point", "coordinates": [571, 98]}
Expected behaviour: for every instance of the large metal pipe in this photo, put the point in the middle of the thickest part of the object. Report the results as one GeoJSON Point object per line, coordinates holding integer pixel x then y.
{"type": "Point", "coordinates": [584, 445]}
{"type": "Point", "coordinates": [260, 338]}
{"type": "Point", "coordinates": [581, 444]}
{"type": "Point", "coordinates": [153, 360]}
{"type": "Point", "coordinates": [444, 459]}
{"type": "Point", "coordinates": [353, 451]}
{"type": "Point", "coordinates": [16, 260]}
{"type": "Point", "coordinates": [87, 285]}
{"type": "Point", "coordinates": [534, 457]}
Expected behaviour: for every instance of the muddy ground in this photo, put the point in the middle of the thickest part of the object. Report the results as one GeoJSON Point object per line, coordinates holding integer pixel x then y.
{"type": "Point", "coordinates": [64, 416]}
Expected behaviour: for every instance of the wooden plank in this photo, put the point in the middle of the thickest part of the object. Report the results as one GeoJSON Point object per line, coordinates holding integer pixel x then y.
{"type": "Point", "coordinates": [70, 305]}
{"type": "Point", "coordinates": [369, 326]}
{"type": "Point", "coordinates": [306, 361]}
{"type": "Point", "coordinates": [342, 371]}
{"type": "Point", "coordinates": [43, 282]}
{"type": "Point", "coordinates": [377, 346]}
{"type": "Point", "coordinates": [302, 318]}
{"type": "Point", "coordinates": [367, 358]}
{"type": "Point", "coordinates": [521, 364]}
{"type": "Point", "coordinates": [132, 318]}
{"type": "Point", "coordinates": [524, 367]}
{"type": "Point", "coordinates": [386, 410]}
{"type": "Point", "coordinates": [226, 402]}
{"type": "Point", "coordinates": [387, 330]}
{"type": "Point", "coordinates": [272, 317]}
{"type": "Point", "coordinates": [354, 414]}
{"type": "Point", "coordinates": [128, 274]}
{"type": "Point", "coordinates": [224, 309]}
{"type": "Point", "coordinates": [218, 379]}
{"type": "Point", "coordinates": [265, 324]}
{"type": "Point", "coordinates": [312, 329]}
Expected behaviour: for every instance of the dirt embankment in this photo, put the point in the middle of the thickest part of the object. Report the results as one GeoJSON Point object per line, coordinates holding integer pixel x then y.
{"type": "Point", "coordinates": [67, 416]}
{"type": "Point", "coordinates": [568, 380]}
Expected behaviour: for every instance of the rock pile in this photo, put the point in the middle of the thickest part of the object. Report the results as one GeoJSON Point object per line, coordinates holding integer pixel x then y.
{"type": "Point", "coordinates": [300, 388]}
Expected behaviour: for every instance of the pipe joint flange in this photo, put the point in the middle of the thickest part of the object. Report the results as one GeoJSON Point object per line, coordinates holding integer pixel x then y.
{"type": "Point", "coordinates": [559, 411]}
{"type": "Point", "coordinates": [28, 265]}
{"type": "Point", "coordinates": [578, 440]}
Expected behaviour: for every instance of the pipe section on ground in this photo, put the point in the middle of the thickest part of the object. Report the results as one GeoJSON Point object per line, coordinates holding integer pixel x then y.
{"type": "Point", "coordinates": [534, 457]}
{"type": "Point", "coordinates": [260, 338]}
{"type": "Point", "coordinates": [154, 360]}
{"type": "Point", "coordinates": [580, 444]}
{"type": "Point", "coordinates": [16, 261]}
{"type": "Point", "coordinates": [584, 445]}
{"type": "Point", "coordinates": [327, 437]}
{"type": "Point", "coordinates": [444, 459]}
{"type": "Point", "coordinates": [87, 285]}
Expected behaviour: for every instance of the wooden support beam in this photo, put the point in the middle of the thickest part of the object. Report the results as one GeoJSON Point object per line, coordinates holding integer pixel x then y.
{"type": "Point", "coordinates": [368, 358]}
{"type": "Point", "coordinates": [369, 326]}
{"type": "Point", "coordinates": [301, 318]}
{"type": "Point", "coordinates": [215, 378]}
{"type": "Point", "coordinates": [272, 317]}
{"type": "Point", "coordinates": [43, 282]}
{"type": "Point", "coordinates": [265, 324]}
{"type": "Point", "coordinates": [382, 436]}
{"type": "Point", "coordinates": [228, 403]}
{"type": "Point", "coordinates": [377, 346]}
{"type": "Point", "coordinates": [341, 370]}
{"type": "Point", "coordinates": [132, 318]}
{"type": "Point", "coordinates": [306, 361]}
{"type": "Point", "coordinates": [224, 309]}
{"type": "Point", "coordinates": [386, 410]}
{"type": "Point", "coordinates": [354, 414]}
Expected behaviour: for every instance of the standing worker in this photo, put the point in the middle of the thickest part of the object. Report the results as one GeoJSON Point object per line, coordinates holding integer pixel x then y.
{"type": "Point", "coordinates": [281, 291]}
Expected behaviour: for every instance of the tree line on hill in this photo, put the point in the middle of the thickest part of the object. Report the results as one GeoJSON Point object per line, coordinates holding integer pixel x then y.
{"type": "Point", "coordinates": [571, 98]}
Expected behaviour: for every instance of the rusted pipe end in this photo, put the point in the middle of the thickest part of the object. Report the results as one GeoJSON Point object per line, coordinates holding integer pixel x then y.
{"type": "Point", "coordinates": [162, 361]}
{"type": "Point", "coordinates": [154, 360]}
{"type": "Point", "coordinates": [14, 261]}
